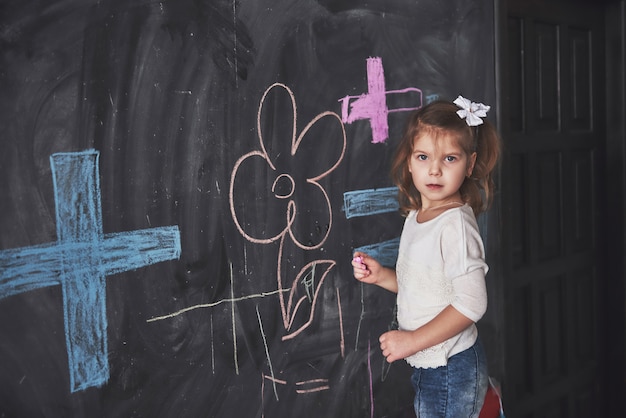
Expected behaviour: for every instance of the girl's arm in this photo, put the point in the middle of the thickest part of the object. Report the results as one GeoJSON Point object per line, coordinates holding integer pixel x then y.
{"type": "Point", "coordinates": [397, 345]}
{"type": "Point", "coordinates": [368, 270]}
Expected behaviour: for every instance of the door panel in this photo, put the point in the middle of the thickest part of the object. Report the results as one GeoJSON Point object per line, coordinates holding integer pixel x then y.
{"type": "Point", "coordinates": [580, 236]}
{"type": "Point", "coordinates": [578, 93]}
{"type": "Point", "coordinates": [547, 205]}
{"type": "Point", "coordinates": [546, 84]}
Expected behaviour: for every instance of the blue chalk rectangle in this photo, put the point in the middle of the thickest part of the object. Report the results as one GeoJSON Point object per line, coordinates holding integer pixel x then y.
{"type": "Point", "coordinates": [370, 202]}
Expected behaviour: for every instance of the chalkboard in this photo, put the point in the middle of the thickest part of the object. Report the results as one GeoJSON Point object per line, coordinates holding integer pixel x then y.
{"type": "Point", "coordinates": [182, 186]}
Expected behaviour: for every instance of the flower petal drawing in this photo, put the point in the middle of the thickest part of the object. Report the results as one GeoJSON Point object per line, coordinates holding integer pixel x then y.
{"type": "Point", "coordinates": [251, 208]}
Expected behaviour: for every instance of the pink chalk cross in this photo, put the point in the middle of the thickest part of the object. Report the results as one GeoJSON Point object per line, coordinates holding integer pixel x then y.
{"type": "Point", "coordinates": [373, 104]}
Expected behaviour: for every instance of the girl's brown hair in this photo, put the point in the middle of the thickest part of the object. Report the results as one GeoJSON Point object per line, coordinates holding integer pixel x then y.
{"type": "Point", "coordinates": [440, 117]}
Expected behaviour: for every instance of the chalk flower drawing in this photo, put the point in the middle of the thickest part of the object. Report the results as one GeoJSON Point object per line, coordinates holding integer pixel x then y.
{"type": "Point", "coordinates": [286, 171]}
{"type": "Point", "coordinates": [271, 188]}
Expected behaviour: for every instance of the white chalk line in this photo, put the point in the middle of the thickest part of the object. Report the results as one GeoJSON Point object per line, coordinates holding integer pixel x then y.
{"type": "Point", "coordinates": [213, 304]}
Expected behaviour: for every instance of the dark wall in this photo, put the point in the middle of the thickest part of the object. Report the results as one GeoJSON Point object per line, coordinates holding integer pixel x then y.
{"type": "Point", "coordinates": [174, 239]}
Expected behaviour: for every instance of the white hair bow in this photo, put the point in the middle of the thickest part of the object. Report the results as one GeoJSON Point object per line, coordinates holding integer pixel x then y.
{"type": "Point", "coordinates": [470, 111]}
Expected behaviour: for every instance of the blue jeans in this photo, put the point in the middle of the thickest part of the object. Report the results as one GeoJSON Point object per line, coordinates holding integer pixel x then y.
{"type": "Point", "coordinates": [455, 390]}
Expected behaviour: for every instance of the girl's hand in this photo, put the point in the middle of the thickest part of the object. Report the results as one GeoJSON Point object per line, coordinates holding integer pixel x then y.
{"type": "Point", "coordinates": [397, 345]}
{"type": "Point", "coordinates": [367, 270]}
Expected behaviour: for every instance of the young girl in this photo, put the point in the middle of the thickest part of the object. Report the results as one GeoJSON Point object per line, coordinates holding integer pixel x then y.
{"type": "Point", "coordinates": [443, 170]}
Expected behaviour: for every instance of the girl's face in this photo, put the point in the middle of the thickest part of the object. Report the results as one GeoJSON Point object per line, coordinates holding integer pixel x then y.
{"type": "Point", "coordinates": [438, 166]}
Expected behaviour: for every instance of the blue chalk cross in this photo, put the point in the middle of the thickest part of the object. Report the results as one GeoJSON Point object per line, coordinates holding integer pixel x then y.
{"type": "Point", "coordinates": [80, 260]}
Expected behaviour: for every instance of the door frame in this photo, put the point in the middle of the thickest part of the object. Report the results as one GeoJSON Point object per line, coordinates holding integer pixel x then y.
{"type": "Point", "coordinates": [615, 22]}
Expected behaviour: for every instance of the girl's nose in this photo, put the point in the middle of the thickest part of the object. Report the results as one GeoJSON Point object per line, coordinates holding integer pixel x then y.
{"type": "Point", "coordinates": [434, 169]}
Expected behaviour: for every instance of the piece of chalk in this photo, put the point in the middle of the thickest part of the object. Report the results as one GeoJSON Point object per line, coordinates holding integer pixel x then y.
{"type": "Point", "coordinates": [358, 259]}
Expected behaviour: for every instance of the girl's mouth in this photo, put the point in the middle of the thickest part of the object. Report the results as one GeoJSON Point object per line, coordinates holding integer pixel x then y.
{"type": "Point", "coordinates": [434, 186]}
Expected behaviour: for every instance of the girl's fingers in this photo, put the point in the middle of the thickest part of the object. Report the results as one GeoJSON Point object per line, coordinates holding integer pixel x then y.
{"type": "Point", "coordinates": [358, 261]}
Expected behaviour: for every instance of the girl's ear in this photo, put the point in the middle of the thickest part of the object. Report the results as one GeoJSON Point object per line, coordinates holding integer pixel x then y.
{"type": "Point", "coordinates": [470, 164]}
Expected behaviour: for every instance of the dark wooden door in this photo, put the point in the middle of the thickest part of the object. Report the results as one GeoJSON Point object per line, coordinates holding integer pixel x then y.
{"type": "Point", "coordinates": [552, 217]}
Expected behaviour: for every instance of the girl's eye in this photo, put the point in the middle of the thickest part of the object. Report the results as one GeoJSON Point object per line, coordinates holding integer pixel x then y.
{"type": "Point", "coordinates": [450, 158]}
{"type": "Point", "coordinates": [421, 157]}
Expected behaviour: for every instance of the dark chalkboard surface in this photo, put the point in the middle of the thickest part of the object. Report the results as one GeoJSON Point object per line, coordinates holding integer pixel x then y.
{"type": "Point", "coordinates": [182, 186]}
